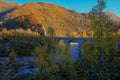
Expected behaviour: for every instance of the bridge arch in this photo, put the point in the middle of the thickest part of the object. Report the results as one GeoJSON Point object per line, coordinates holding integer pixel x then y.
{"type": "Point", "coordinates": [74, 49]}
{"type": "Point", "coordinates": [73, 44]}
{"type": "Point", "coordinates": [72, 41]}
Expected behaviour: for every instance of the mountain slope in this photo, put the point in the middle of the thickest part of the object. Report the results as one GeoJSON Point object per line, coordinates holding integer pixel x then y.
{"type": "Point", "coordinates": [114, 17]}
{"type": "Point", "coordinates": [7, 7]}
{"type": "Point", "coordinates": [39, 16]}
{"type": "Point", "coordinates": [63, 21]}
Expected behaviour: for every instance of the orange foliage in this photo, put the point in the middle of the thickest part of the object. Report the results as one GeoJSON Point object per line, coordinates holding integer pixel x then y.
{"type": "Point", "coordinates": [49, 15]}
{"type": "Point", "coordinates": [18, 32]}
{"type": "Point", "coordinates": [118, 33]}
{"type": "Point", "coordinates": [73, 34]}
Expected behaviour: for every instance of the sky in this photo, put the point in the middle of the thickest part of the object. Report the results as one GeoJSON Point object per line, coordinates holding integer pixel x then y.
{"type": "Point", "coordinates": [80, 5]}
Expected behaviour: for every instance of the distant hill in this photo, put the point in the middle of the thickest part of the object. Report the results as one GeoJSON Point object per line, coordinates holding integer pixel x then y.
{"type": "Point", "coordinates": [39, 16]}
{"type": "Point", "coordinates": [113, 16]}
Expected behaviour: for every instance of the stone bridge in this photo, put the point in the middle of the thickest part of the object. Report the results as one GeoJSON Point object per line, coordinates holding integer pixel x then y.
{"type": "Point", "coordinates": [68, 40]}
{"type": "Point", "coordinates": [79, 41]}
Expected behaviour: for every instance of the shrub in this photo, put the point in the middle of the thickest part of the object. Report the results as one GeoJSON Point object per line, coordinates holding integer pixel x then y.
{"type": "Point", "coordinates": [12, 56]}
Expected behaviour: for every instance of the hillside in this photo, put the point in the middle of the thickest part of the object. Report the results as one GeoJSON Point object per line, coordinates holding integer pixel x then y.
{"type": "Point", "coordinates": [39, 16]}
{"type": "Point", "coordinates": [64, 21]}
{"type": "Point", "coordinates": [113, 16]}
{"type": "Point", "coordinates": [7, 7]}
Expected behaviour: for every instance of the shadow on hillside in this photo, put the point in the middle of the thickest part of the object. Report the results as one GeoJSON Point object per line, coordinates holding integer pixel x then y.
{"type": "Point", "coordinates": [2, 14]}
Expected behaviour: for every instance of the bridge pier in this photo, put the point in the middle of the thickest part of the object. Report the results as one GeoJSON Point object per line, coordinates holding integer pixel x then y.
{"type": "Point", "coordinates": [80, 48]}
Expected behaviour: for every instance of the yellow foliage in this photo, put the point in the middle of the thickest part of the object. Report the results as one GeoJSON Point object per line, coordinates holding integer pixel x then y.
{"type": "Point", "coordinates": [20, 19]}
{"type": "Point", "coordinates": [73, 34]}
{"type": "Point", "coordinates": [84, 34]}
{"type": "Point", "coordinates": [49, 14]}
{"type": "Point", "coordinates": [118, 33]}
{"type": "Point", "coordinates": [61, 42]}
{"type": "Point", "coordinates": [18, 32]}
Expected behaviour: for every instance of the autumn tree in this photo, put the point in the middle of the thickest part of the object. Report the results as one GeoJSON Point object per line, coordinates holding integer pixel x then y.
{"type": "Point", "coordinates": [99, 23]}
{"type": "Point", "coordinates": [50, 31]}
{"type": "Point", "coordinates": [73, 34]}
{"type": "Point", "coordinates": [54, 62]}
{"type": "Point", "coordinates": [84, 34]}
{"type": "Point", "coordinates": [101, 57]}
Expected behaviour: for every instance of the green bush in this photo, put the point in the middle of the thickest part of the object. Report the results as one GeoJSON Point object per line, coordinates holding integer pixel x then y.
{"type": "Point", "coordinates": [12, 56]}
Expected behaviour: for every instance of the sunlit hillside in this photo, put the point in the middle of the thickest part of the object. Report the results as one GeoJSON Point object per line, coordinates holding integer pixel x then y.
{"type": "Point", "coordinates": [39, 16]}
{"type": "Point", "coordinates": [65, 22]}
{"type": "Point", "coordinates": [8, 5]}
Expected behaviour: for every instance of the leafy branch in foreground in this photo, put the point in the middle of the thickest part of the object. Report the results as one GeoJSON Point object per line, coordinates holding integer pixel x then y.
{"type": "Point", "coordinates": [102, 58]}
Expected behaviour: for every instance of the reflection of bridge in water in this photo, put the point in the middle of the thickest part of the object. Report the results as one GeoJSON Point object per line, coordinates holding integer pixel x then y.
{"type": "Point", "coordinates": [76, 44]}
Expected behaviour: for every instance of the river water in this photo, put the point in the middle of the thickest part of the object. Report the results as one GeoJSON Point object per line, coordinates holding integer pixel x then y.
{"type": "Point", "coordinates": [74, 54]}
{"type": "Point", "coordinates": [26, 61]}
